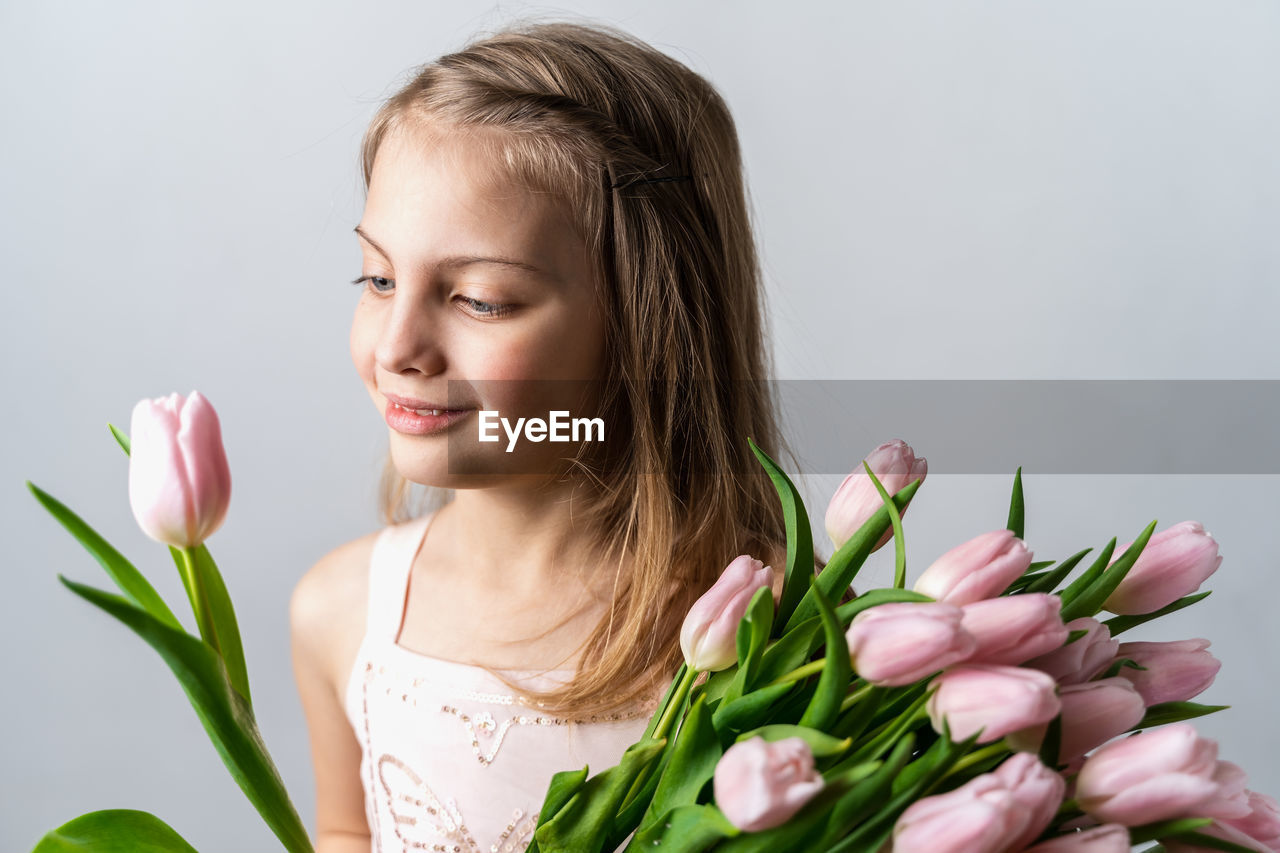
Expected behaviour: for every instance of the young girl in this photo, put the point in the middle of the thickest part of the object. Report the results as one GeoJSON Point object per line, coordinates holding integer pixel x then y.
{"type": "Point", "coordinates": [554, 202]}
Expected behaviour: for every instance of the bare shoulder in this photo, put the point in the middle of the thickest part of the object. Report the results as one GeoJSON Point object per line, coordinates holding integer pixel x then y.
{"type": "Point", "coordinates": [328, 604]}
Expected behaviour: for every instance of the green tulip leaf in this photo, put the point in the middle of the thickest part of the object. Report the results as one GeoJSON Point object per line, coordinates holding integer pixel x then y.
{"type": "Point", "coordinates": [820, 743]}
{"type": "Point", "coordinates": [1119, 624]}
{"type": "Point", "coordinates": [800, 561]}
{"type": "Point", "coordinates": [844, 564]}
{"type": "Point", "coordinates": [895, 520]}
{"type": "Point", "coordinates": [1017, 507]}
{"type": "Point", "coordinates": [583, 823]}
{"type": "Point", "coordinates": [753, 634]}
{"type": "Point", "coordinates": [1091, 600]}
{"type": "Point", "coordinates": [750, 710]}
{"type": "Point", "coordinates": [1049, 581]}
{"type": "Point", "coordinates": [837, 671]}
{"type": "Point", "coordinates": [225, 715]}
{"type": "Point", "coordinates": [868, 792]}
{"type": "Point", "coordinates": [130, 581]}
{"type": "Point", "coordinates": [113, 831]}
{"type": "Point", "coordinates": [1173, 712]}
{"type": "Point", "coordinates": [693, 762]}
{"type": "Point", "coordinates": [1078, 586]}
{"type": "Point", "coordinates": [854, 720]}
{"type": "Point", "coordinates": [121, 438]}
{"type": "Point", "coordinates": [687, 828]}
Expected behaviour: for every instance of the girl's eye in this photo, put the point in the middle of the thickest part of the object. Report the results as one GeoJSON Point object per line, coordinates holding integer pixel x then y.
{"type": "Point", "coordinates": [372, 282]}
{"type": "Point", "coordinates": [483, 309]}
{"type": "Point", "coordinates": [486, 309]}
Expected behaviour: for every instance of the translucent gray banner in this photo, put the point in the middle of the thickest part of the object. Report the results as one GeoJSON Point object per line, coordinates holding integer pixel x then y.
{"type": "Point", "coordinates": [961, 426]}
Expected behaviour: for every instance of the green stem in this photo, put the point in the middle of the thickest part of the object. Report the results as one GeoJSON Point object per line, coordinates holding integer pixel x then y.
{"type": "Point", "coordinates": [673, 707]}
{"type": "Point", "coordinates": [199, 598]}
{"type": "Point", "coordinates": [978, 756]}
{"type": "Point", "coordinates": [1068, 806]}
{"type": "Point", "coordinates": [811, 668]}
{"type": "Point", "coordinates": [856, 696]}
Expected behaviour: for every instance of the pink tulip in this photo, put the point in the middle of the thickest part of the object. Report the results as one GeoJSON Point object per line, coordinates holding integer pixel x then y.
{"type": "Point", "coordinates": [1093, 712]}
{"type": "Point", "coordinates": [1108, 838]}
{"type": "Point", "coordinates": [1263, 821]}
{"type": "Point", "coordinates": [981, 568]}
{"type": "Point", "coordinates": [1175, 671]}
{"type": "Point", "coordinates": [708, 637]}
{"type": "Point", "coordinates": [759, 785]}
{"type": "Point", "coordinates": [895, 466]}
{"type": "Point", "coordinates": [903, 641]}
{"type": "Point", "coordinates": [997, 699]}
{"type": "Point", "coordinates": [1174, 563]}
{"type": "Point", "coordinates": [996, 812]}
{"type": "Point", "coordinates": [1013, 628]}
{"type": "Point", "coordinates": [179, 481]}
{"type": "Point", "coordinates": [1158, 774]}
{"type": "Point", "coordinates": [1082, 659]}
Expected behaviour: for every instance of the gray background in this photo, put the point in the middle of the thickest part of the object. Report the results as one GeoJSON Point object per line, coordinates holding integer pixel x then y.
{"type": "Point", "coordinates": [947, 190]}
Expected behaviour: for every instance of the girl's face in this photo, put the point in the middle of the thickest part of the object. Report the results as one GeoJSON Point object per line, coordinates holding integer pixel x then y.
{"type": "Point", "coordinates": [468, 279]}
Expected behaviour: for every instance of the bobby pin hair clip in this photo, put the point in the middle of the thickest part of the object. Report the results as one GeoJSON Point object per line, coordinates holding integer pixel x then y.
{"type": "Point", "coordinates": [633, 181]}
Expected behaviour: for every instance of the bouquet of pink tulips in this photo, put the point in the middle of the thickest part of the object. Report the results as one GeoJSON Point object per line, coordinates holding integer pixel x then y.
{"type": "Point", "coordinates": [179, 489]}
{"type": "Point", "coordinates": [985, 710]}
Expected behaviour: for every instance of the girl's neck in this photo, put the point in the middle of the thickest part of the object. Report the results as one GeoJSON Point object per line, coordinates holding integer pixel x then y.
{"type": "Point", "coordinates": [521, 540]}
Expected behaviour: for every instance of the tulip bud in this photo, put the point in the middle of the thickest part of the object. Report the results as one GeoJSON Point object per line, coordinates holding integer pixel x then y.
{"type": "Point", "coordinates": [981, 568]}
{"type": "Point", "coordinates": [1175, 671]}
{"type": "Point", "coordinates": [179, 480]}
{"type": "Point", "coordinates": [759, 785]}
{"type": "Point", "coordinates": [1092, 713]}
{"type": "Point", "coordinates": [996, 699]}
{"type": "Point", "coordinates": [1014, 628]}
{"type": "Point", "coordinates": [991, 813]}
{"type": "Point", "coordinates": [1108, 838]}
{"type": "Point", "coordinates": [708, 637]}
{"type": "Point", "coordinates": [903, 641]}
{"type": "Point", "coordinates": [1174, 563]}
{"type": "Point", "coordinates": [1157, 774]}
{"type": "Point", "coordinates": [1081, 659]}
{"type": "Point", "coordinates": [895, 466]}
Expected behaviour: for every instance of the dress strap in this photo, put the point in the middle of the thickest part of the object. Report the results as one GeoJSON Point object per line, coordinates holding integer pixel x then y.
{"type": "Point", "coordinates": [389, 566]}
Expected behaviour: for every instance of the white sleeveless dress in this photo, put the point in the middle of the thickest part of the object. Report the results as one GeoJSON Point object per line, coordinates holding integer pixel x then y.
{"type": "Point", "coordinates": [451, 760]}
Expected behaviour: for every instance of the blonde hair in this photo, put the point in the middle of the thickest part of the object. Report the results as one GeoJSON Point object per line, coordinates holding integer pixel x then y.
{"type": "Point", "coordinates": [571, 109]}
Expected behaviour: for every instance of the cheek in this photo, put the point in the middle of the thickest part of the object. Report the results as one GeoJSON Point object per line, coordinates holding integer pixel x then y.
{"type": "Point", "coordinates": [362, 341]}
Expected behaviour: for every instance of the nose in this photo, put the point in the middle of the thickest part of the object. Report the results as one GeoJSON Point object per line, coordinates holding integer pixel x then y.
{"type": "Point", "coordinates": [410, 337]}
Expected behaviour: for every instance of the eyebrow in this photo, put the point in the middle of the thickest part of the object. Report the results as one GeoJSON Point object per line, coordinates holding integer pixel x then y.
{"type": "Point", "coordinates": [455, 261]}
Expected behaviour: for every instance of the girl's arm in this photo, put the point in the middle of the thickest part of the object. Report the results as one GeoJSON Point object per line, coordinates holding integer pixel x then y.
{"type": "Point", "coordinates": [341, 826]}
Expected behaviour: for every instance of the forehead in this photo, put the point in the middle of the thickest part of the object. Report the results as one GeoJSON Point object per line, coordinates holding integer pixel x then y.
{"type": "Point", "coordinates": [435, 190]}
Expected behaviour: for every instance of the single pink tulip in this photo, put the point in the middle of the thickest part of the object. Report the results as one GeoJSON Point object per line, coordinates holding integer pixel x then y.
{"type": "Point", "coordinates": [1263, 821]}
{"type": "Point", "coordinates": [981, 568]}
{"type": "Point", "coordinates": [895, 466]}
{"type": "Point", "coordinates": [759, 785]}
{"type": "Point", "coordinates": [1174, 563]}
{"type": "Point", "coordinates": [1175, 671]}
{"type": "Point", "coordinates": [997, 699]}
{"type": "Point", "coordinates": [1014, 628]}
{"type": "Point", "coordinates": [1158, 774]}
{"type": "Point", "coordinates": [708, 637]}
{"type": "Point", "coordinates": [179, 480]}
{"type": "Point", "coordinates": [1093, 712]}
{"type": "Point", "coordinates": [1108, 838]}
{"type": "Point", "coordinates": [1082, 659]}
{"type": "Point", "coordinates": [996, 812]}
{"type": "Point", "coordinates": [904, 641]}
